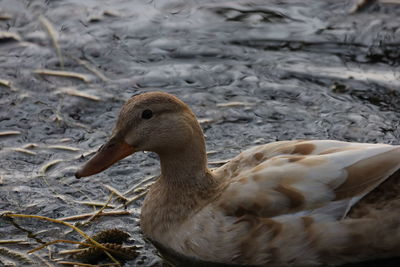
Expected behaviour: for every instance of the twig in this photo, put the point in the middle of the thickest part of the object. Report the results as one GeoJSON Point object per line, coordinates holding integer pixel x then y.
{"type": "Point", "coordinates": [12, 241]}
{"type": "Point", "coordinates": [86, 215]}
{"type": "Point", "coordinates": [74, 92]}
{"type": "Point", "coordinates": [95, 204]}
{"type": "Point", "coordinates": [48, 165]}
{"type": "Point", "coordinates": [5, 83]}
{"type": "Point", "coordinates": [10, 35]}
{"type": "Point", "coordinates": [116, 192]}
{"type": "Point", "coordinates": [71, 251]}
{"type": "Point", "coordinates": [91, 68]}
{"type": "Point", "coordinates": [22, 150]}
{"type": "Point", "coordinates": [98, 213]}
{"type": "Point", "coordinates": [5, 133]}
{"type": "Point", "coordinates": [60, 241]}
{"type": "Point", "coordinates": [68, 148]}
{"type": "Point", "coordinates": [132, 200]}
{"type": "Point", "coordinates": [53, 35]}
{"type": "Point", "coordinates": [60, 73]}
{"type": "Point", "coordinates": [139, 184]}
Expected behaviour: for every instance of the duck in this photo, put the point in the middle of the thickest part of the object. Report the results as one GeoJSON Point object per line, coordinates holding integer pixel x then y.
{"type": "Point", "coordinates": [284, 203]}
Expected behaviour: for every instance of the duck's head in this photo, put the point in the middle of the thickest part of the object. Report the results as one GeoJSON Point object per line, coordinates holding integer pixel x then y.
{"type": "Point", "coordinates": [155, 121]}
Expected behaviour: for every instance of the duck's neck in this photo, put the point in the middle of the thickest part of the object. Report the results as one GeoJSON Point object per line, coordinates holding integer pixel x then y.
{"type": "Point", "coordinates": [186, 165]}
{"type": "Point", "coordinates": [184, 187]}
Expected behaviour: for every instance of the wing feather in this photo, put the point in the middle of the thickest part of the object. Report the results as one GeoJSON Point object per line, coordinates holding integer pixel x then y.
{"type": "Point", "coordinates": [305, 177]}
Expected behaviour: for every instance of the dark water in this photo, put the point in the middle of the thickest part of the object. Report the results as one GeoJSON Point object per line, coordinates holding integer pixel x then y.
{"type": "Point", "coordinates": [298, 69]}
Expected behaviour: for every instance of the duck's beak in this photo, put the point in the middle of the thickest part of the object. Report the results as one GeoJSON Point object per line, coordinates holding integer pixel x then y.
{"type": "Point", "coordinates": [114, 150]}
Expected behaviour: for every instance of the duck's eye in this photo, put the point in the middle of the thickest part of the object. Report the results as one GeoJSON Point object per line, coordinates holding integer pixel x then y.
{"type": "Point", "coordinates": [147, 114]}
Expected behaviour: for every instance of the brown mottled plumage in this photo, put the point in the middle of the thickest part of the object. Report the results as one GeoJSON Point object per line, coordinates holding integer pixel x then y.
{"type": "Point", "coordinates": [288, 203]}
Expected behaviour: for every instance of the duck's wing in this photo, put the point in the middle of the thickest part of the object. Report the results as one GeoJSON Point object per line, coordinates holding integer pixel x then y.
{"type": "Point", "coordinates": [304, 177]}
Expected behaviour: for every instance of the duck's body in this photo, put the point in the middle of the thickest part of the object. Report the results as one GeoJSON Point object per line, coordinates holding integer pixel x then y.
{"type": "Point", "coordinates": [280, 204]}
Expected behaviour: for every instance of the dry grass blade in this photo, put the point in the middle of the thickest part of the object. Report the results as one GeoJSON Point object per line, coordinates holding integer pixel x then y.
{"type": "Point", "coordinates": [30, 145]}
{"type": "Point", "coordinates": [54, 38]}
{"type": "Point", "coordinates": [95, 204]}
{"type": "Point", "coordinates": [205, 120]}
{"type": "Point", "coordinates": [60, 73]}
{"type": "Point", "coordinates": [5, 83]}
{"type": "Point", "coordinates": [12, 241]}
{"type": "Point", "coordinates": [6, 133]}
{"type": "Point", "coordinates": [142, 182]}
{"type": "Point", "coordinates": [60, 241]}
{"type": "Point", "coordinates": [116, 192]}
{"type": "Point", "coordinates": [74, 92]}
{"type": "Point", "coordinates": [5, 16]}
{"type": "Point", "coordinates": [48, 166]}
{"type": "Point", "coordinates": [22, 150]}
{"type": "Point", "coordinates": [68, 148]}
{"type": "Point", "coordinates": [133, 199]}
{"type": "Point", "coordinates": [66, 224]}
{"type": "Point", "coordinates": [98, 213]}
{"type": "Point", "coordinates": [71, 251]}
{"type": "Point", "coordinates": [87, 215]}
{"type": "Point", "coordinates": [9, 36]}
{"type": "Point", "coordinates": [90, 68]}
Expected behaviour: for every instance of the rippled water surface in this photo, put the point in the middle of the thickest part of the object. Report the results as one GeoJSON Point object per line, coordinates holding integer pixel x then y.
{"type": "Point", "coordinates": [252, 71]}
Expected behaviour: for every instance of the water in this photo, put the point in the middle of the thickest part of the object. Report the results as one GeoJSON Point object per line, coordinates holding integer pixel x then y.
{"type": "Point", "coordinates": [299, 69]}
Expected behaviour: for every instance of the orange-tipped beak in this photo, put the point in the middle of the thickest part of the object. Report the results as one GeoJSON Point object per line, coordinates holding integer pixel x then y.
{"type": "Point", "coordinates": [111, 152]}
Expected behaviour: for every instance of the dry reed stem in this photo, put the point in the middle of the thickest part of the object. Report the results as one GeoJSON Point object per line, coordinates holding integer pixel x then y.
{"type": "Point", "coordinates": [134, 187]}
{"type": "Point", "coordinates": [5, 17]}
{"type": "Point", "coordinates": [98, 213]}
{"type": "Point", "coordinates": [125, 205]}
{"type": "Point", "coordinates": [71, 251]}
{"type": "Point", "coordinates": [90, 68]}
{"type": "Point", "coordinates": [95, 204]}
{"type": "Point", "coordinates": [30, 145]}
{"type": "Point", "coordinates": [68, 148]}
{"type": "Point", "coordinates": [69, 225]}
{"type": "Point", "coordinates": [86, 215]}
{"type": "Point", "coordinates": [10, 35]}
{"type": "Point", "coordinates": [60, 241]}
{"type": "Point", "coordinates": [116, 192]}
{"type": "Point", "coordinates": [60, 73]}
{"type": "Point", "coordinates": [74, 92]}
{"type": "Point", "coordinates": [47, 166]}
{"type": "Point", "coordinates": [12, 241]}
{"type": "Point", "coordinates": [6, 133]}
{"type": "Point", "coordinates": [22, 150]}
{"type": "Point", "coordinates": [205, 120]}
{"type": "Point", "coordinates": [5, 83]}
{"type": "Point", "coordinates": [53, 36]}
